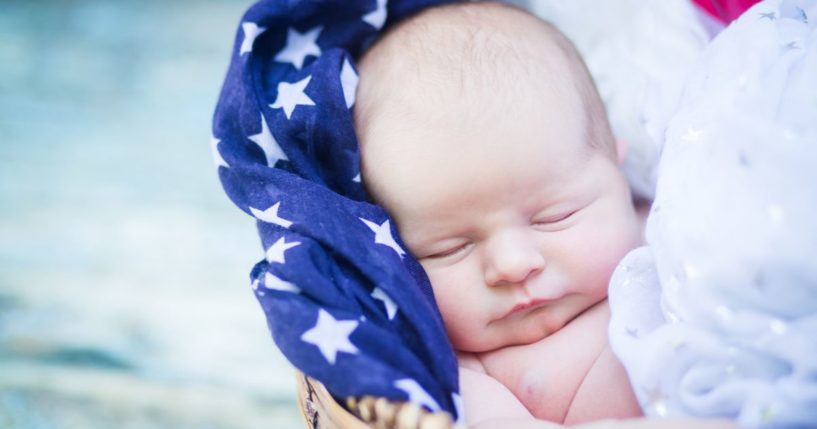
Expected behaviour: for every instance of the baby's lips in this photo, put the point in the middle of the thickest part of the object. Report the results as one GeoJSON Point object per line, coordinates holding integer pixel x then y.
{"type": "Point", "coordinates": [525, 306]}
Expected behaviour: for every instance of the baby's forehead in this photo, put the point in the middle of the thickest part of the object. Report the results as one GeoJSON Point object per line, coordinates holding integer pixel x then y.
{"type": "Point", "coordinates": [464, 57]}
{"type": "Point", "coordinates": [467, 43]}
{"type": "Point", "coordinates": [455, 69]}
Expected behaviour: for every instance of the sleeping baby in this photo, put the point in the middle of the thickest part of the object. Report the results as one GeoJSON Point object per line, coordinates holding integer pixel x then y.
{"type": "Point", "coordinates": [483, 136]}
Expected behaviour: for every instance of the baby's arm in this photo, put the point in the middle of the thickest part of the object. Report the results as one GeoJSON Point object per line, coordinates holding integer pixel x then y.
{"type": "Point", "coordinates": [490, 405]}
{"type": "Point", "coordinates": [485, 398]}
{"type": "Point", "coordinates": [640, 423]}
{"type": "Point", "coordinates": [602, 393]}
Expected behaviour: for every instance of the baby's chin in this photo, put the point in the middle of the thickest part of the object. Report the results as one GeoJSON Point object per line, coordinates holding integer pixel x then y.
{"type": "Point", "coordinates": [511, 334]}
{"type": "Point", "coordinates": [520, 330]}
{"type": "Point", "coordinates": [492, 343]}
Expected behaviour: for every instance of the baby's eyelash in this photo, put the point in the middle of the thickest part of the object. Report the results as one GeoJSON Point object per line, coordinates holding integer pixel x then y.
{"type": "Point", "coordinates": [448, 253]}
{"type": "Point", "coordinates": [555, 219]}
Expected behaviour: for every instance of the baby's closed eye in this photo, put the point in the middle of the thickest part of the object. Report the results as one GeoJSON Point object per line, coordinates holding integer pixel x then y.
{"type": "Point", "coordinates": [450, 252]}
{"type": "Point", "coordinates": [553, 219]}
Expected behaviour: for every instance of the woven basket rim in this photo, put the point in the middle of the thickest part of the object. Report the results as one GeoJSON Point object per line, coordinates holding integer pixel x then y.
{"type": "Point", "coordinates": [316, 404]}
{"type": "Point", "coordinates": [320, 409]}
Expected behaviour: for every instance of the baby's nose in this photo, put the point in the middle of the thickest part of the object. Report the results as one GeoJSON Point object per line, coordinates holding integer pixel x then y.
{"type": "Point", "coordinates": [511, 259]}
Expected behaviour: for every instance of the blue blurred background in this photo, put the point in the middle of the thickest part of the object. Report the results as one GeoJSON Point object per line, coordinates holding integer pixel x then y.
{"type": "Point", "coordinates": [124, 294]}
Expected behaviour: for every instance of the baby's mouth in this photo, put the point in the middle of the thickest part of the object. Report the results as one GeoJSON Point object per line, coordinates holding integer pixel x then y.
{"type": "Point", "coordinates": [526, 307]}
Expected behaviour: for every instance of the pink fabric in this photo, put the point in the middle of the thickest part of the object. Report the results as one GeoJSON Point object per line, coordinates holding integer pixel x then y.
{"type": "Point", "coordinates": [725, 11]}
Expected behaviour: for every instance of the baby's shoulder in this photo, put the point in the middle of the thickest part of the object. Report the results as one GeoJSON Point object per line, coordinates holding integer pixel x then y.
{"type": "Point", "coordinates": [470, 361]}
{"type": "Point", "coordinates": [485, 398]}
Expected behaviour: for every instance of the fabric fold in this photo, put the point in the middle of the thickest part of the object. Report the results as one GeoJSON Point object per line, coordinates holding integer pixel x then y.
{"type": "Point", "coordinates": [343, 301]}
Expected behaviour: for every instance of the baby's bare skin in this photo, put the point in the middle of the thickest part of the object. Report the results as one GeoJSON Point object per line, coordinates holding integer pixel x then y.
{"type": "Point", "coordinates": [569, 377]}
{"type": "Point", "coordinates": [483, 136]}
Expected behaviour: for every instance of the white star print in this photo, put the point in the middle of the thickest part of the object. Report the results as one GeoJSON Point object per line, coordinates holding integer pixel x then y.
{"type": "Point", "coordinates": [677, 343]}
{"type": "Point", "coordinates": [270, 215]}
{"type": "Point", "coordinates": [331, 336]}
{"type": "Point", "coordinates": [391, 307]}
{"type": "Point", "coordinates": [778, 326]}
{"type": "Point", "coordinates": [416, 393]}
{"type": "Point", "coordinates": [273, 282]}
{"type": "Point", "coordinates": [291, 94]}
{"type": "Point", "coordinates": [348, 80]}
{"type": "Point", "coordinates": [775, 213]}
{"type": "Point", "coordinates": [692, 134]}
{"type": "Point", "coordinates": [267, 143]}
{"type": "Point", "coordinates": [691, 271]}
{"type": "Point", "coordinates": [742, 81]}
{"type": "Point", "coordinates": [217, 159]}
{"type": "Point", "coordinates": [382, 235]}
{"type": "Point", "coordinates": [802, 15]}
{"type": "Point", "coordinates": [769, 15]}
{"type": "Point", "coordinates": [299, 45]}
{"type": "Point", "coordinates": [767, 414]}
{"type": "Point", "coordinates": [790, 46]}
{"type": "Point", "coordinates": [459, 407]}
{"type": "Point", "coordinates": [251, 31]}
{"type": "Point", "coordinates": [377, 17]}
{"type": "Point", "coordinates": [356, 178]}
{"type": "Point", "coordinates": [276, 252]}
{"type": "Point", "coordinates": [656, 400]}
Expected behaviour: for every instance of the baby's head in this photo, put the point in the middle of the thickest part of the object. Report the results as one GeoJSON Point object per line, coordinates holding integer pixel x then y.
{"type": "Point", "coordinates": [483, 136]}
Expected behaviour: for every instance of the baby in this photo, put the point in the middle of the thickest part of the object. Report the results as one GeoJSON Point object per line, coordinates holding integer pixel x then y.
{"type": "Point", "coordinates": [483, 136]}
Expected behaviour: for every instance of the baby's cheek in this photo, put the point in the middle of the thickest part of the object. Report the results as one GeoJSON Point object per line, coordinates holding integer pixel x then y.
{"type": "Point", "coordinates": [460, 305]}
{"type": "Point", "coordinates": [619, 242]}
{"type": "Point", "coordinates": [446, 291]}
{"type": "Point", "coordinates": [595, 253]}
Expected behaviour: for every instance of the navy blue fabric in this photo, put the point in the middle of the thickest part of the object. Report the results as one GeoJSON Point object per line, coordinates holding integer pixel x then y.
{"type": "Point", "coordinates": [301, 182]}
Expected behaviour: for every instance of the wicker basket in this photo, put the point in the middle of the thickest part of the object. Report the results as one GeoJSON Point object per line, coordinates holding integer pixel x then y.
{"type": "Point", "coordinates": [320, 410]}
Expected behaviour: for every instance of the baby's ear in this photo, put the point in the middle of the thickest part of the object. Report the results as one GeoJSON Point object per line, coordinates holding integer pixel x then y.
{"type": "Point", "coordinates": [621, 150]}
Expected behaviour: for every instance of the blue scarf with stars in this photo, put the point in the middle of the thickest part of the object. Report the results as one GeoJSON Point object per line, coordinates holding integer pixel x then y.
{"type": "Point", "coordinates": [344, 302]}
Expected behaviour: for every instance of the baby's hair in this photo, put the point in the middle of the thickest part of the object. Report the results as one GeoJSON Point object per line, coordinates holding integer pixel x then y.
{"type": "Point", "coordinates": [473, 44]}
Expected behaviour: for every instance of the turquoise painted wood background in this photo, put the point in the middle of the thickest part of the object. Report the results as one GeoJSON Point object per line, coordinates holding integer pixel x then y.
{"type": "Point", "coordinates": [124, 300]}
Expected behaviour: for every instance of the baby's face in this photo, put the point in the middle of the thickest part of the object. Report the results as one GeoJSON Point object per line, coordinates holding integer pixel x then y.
{"type": "Point", "coordinates": [517, 220]}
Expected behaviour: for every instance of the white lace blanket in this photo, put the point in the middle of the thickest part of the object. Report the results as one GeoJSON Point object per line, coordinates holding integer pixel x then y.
{"type": "Point", "coordinates": [717, 315]}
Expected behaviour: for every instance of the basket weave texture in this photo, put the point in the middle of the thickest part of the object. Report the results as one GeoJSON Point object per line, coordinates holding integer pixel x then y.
{"type": "Point", "coordinates": [320, 410]}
